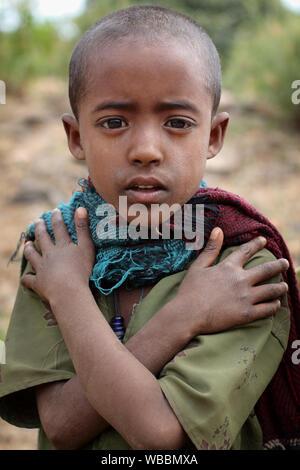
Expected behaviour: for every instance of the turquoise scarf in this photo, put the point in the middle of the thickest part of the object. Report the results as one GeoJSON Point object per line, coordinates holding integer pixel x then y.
{"type": "Point", "coordinates": [132, 262]}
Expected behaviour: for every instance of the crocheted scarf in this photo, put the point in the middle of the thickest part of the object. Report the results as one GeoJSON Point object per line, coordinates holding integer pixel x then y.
{"type": "Point", "coordinates": [134, 262]}
{"type": "Point", "coordinates": [120, 259]}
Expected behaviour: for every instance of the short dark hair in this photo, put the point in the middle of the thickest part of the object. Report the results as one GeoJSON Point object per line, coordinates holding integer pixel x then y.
{"type": "Point", "coordinates": [147, 21]}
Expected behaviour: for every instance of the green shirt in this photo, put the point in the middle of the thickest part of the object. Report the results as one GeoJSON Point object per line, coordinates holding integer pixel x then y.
{"type": "Point", "coordinates": [212, 385]}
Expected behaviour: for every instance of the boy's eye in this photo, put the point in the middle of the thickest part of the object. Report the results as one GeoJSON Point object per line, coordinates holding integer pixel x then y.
{"type": "Point", "coordinates": [117, 123]}
{"type": "Point", "coordinates": [179, 123]}
{"type": "Point", "coordinates": [113, 123]}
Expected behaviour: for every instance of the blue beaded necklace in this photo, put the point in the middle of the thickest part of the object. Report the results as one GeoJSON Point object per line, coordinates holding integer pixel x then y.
{"type": "Point", "coordinates": [117, 322]}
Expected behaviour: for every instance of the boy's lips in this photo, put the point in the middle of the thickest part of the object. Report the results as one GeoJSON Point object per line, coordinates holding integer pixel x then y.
{"type": "Point", "coordinates": [145, 189]}
{"type": "Point", "coordinates": [145, 196]}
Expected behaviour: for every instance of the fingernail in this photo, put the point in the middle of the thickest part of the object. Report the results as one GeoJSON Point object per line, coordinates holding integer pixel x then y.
{"type": "Point", "coordinates": [215, 233]}
{"type": "Point", "coordinates": [81, 213]}
{"type": "Point", "coordinates": [56, 212]}
{"type": "Point", "coordinates": [197, 242]}
{"type": "Point", "coordinates": [263, 239]}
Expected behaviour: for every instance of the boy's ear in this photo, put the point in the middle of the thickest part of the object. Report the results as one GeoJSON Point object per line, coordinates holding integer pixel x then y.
{"type": "Point", "coordinates": [217, 134]}
{"type": "Point", "coordinates": [72, 130]}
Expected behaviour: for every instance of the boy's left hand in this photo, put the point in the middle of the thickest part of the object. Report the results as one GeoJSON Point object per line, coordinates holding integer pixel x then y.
{"type": "Point", "coordinates": [63, 266]}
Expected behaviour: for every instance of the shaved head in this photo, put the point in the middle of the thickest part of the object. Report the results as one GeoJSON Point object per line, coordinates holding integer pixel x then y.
{"type": "Point", "coordinates": [153, 25]}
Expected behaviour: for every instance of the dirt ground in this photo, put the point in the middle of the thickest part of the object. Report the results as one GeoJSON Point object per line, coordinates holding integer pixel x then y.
{"type": "Point", "coordinates": [259, 161]}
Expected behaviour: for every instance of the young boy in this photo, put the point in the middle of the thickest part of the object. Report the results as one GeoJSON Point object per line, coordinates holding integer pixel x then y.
{"type": "Point", "coordinates": [203, 337]}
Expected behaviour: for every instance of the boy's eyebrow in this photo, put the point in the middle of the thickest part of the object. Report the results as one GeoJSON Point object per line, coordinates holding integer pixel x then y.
{"type": "Point", "coordinates": [163, 106]}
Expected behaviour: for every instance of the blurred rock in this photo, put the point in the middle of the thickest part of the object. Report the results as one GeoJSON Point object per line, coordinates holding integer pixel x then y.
{"type": "Point", "coordinates": [33, 120]}
{"type": "Point", "coordinates": [31, 191]}
{"type": "Point", "coordinates": [51, 94]}
{"type": "Point", "coordinates": [13, 438]}
{"type": "Point", "coordinates": [226, 162]}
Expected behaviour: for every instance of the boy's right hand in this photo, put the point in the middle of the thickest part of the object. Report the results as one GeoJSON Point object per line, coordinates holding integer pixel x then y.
{"type": "Point", "coordinates": [225, 295]}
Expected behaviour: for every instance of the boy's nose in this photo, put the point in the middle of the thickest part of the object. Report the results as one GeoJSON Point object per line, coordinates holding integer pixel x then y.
{"type": "Point", "coordinates": [146, 151]}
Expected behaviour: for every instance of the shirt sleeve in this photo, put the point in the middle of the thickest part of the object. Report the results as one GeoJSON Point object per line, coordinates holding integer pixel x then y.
{"type": "Point", "coordinates": [35, 354]}
{"type": "Point", "coordinates": [214, 384]}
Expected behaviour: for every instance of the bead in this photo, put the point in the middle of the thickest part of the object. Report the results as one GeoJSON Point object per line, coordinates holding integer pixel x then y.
{"type": "Point", "coordinates": [117, 325]}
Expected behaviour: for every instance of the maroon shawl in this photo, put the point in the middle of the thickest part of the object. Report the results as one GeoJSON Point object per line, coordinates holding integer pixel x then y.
{"type": "Point", "coordinates": [278, 409]}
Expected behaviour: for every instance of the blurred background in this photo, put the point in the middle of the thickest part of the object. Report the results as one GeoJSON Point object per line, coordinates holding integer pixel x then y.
{"type": "Point", "coordinates": [259, 45]}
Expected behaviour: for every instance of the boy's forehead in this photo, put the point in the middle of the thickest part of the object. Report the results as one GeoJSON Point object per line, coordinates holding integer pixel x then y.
{"type": "Point", "coordinates": [135, 51]}
{"type": "Point", "coordinates": [127, 69]}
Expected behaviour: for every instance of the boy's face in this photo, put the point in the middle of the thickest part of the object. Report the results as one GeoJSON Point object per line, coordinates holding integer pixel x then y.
{"type": "Point", "coordinates": [146, 121]}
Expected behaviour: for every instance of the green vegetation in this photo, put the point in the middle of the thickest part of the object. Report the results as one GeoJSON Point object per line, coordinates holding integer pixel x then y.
{"type": "Point", "coordinates": [264, 63]}
{"type": "Point", "coordinates": [222, 19]}
{"type": "Point", "coordinates": [29, 51]}
{"type": "Point", "coordinates": [258, 42]}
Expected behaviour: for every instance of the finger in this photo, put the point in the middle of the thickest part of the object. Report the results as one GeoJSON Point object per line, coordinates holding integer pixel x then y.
{"type": "Point", "coordinates": [41, 235]}
{"type": "Point", "coordinates": [265, 309]}
{"type": "Point", "coordinates": [60, 231]}
{"type": "Point", "coordinates": [269, 292]}
{"type": "Point", "coordinates": [244, 252]}
{"type": "Point", "coordinates": [32, 255]}
{"type": "Point", "coordinates": [212, 249]}
{"type": "Point", "coordinates": [266, 271]}
{"type": "Point", "coordinates": [28, 281]}
{"type": "Point", "coordinates": [83, 227]}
